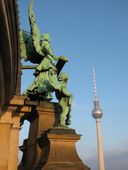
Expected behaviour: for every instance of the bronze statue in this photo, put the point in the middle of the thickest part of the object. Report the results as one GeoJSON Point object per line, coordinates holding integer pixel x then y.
{"type": "Point", "coordinates": [43, 55]}
{"type": "Point", "coordinates": [37, 49]}
{"type": "Point", "coordinates": [65, 100]}
{"type": "Point", "coordinates": [64, 97]}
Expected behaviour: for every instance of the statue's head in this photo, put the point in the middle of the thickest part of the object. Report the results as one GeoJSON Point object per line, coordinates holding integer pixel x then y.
{"type": "Point", "coordinates": [63, 77]}
{"type": "Point", "coordinates": [45, 37]}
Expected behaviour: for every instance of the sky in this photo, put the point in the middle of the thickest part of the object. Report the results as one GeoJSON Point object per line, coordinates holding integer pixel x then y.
{"type": "Point", "coordinates": [90, 33]}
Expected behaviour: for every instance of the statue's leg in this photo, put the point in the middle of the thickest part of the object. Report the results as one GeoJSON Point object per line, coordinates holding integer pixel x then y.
{"type": "Point", "coordinates": [63, 116]}
{"type": "Point", "coordinates": [68, 119]}
{"type": "Point", "coordinates": [34, 84]}
{"type": "Point", "coordinates": [31, 87]}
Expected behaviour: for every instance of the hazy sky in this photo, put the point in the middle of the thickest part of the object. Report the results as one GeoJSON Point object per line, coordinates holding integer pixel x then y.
{"type": "Point", "coordinates": [90, 33]}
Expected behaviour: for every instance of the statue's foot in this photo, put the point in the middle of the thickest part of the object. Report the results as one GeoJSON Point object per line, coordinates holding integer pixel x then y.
{"type": "Point", "coordinates": [62, 126]}
{"type": "Point", "coordinates": [68, 122]}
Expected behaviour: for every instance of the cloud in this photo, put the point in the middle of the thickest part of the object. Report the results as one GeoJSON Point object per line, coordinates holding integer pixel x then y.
{"type": "Point", "coordinates": [114, 160]}
{"type": "Point", "coordinates": [117, 160]}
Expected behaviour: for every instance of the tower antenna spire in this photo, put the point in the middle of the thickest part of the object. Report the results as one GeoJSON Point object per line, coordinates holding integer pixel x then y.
{"type": "Point", "coordinates": [94, 81]}
{"type": "Point", "coordinates": [97, 114]}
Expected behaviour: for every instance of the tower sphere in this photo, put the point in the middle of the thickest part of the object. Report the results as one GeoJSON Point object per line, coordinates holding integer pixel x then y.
{"type": "Point", "coordinates": [97, 112]}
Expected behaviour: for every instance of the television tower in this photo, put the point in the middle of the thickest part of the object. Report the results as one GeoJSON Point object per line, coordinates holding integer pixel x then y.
{"type": "Point", "coordinates": [97, 114]}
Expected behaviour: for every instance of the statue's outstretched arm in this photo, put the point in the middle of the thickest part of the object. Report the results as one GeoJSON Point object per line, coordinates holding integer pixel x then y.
{"type": "Point", "coordinates": [53, 80]}
{"type": "Point", "coordinates": [66, 92]}
{"type": "Point", "coordinates": [35, 33]}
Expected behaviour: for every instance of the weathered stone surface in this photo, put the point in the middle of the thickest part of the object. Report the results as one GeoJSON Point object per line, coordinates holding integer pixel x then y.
{"type": "Point", "coordinates": [42, 117]}
{"type": "Point", "coordinates": [49, 146]}
{"type": "Point", "coordinates": [58, 150]}
{"type": "Point", "coordinates": [9, 133]}
{"type": "Point", "coordinates": [9, 139]}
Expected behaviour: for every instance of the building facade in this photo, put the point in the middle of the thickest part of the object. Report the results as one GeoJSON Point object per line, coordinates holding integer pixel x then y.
{"type": "Point", "coordinates": [9, 52]}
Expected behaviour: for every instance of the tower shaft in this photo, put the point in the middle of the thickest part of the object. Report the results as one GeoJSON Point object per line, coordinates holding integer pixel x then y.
{"type": "Point", "coordinates": [100, 146]}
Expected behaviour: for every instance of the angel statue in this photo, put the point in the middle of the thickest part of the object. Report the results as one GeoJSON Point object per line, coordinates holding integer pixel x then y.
{"type": "Point", "coordinates": [64, 97]}
{"type": "Point", "coordinates": [37, 49]}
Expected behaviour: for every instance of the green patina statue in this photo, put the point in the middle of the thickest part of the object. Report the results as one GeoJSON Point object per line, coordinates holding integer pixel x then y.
{"type": "Point", "coordinates": [41, 53]}
{"type": "Point", "coordinates": [65, 100]}
{"type": "Point", "coordinates": [37, 49]}
{"type": "Point", "coordinates": [64, 97]}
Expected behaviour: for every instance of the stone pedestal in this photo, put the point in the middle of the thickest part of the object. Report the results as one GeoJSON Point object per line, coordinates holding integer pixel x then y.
{"type": "Point", "coordinates": [58, 151]}
{"type": "Point", "coordinates": [49, 147]}
{"type": "Point", "coordinates": [42, 117]}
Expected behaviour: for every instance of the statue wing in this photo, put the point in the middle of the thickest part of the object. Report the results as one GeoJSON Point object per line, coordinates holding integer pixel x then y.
{"type": "Point", "coordinates": [35, 33]}
{"type": "Point", "coordinates": [26, 46]}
